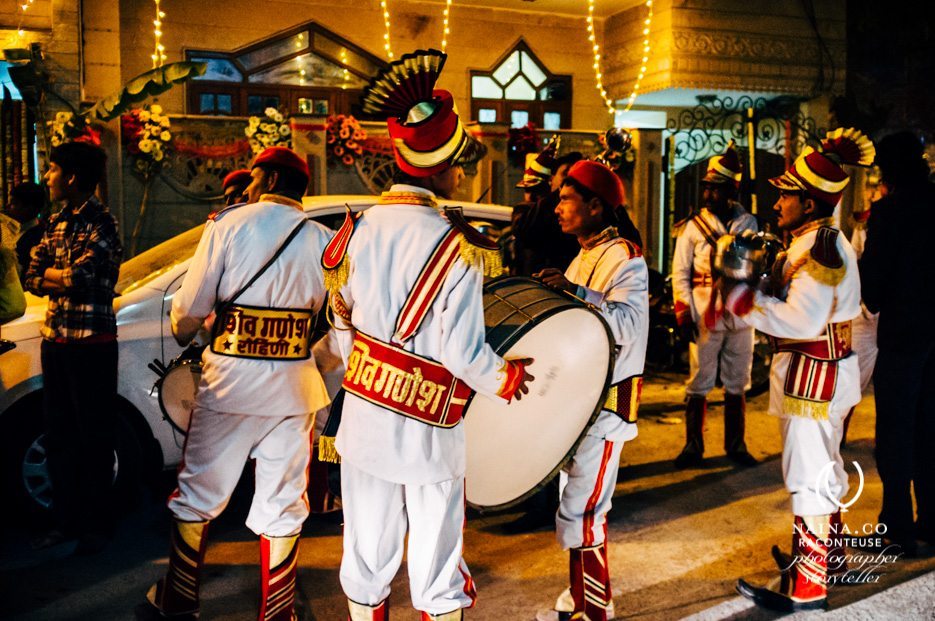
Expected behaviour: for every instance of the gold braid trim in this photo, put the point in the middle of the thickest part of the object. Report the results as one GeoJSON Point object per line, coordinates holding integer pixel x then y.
{"type": "Point", "coordinates": [407, 198]}
{"type": "Point", "coordinates": [327, 451]}
{"type": "Point", "coordinates": [336, 278]}
{"type": "Point", "coordinates": [829, 276]}
{"type": "Point", "coordinates": [804, 408]}
{"type": "Point", "coordinates": [487, 261]}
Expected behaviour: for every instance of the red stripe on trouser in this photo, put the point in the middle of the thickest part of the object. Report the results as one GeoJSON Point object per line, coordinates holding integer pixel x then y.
{"type": "Point", "coordinates": [588, 535]}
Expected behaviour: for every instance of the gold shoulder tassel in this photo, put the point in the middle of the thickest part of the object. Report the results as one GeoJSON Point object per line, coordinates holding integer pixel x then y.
{"type": "Point", "coordinates": [830, 276]}
{"type": "Point", "coordinates": [488, 261]}
{"type": "Point", "coordinates": [336, 278]}
{"type": "Point", "coordinates": [327, 451]}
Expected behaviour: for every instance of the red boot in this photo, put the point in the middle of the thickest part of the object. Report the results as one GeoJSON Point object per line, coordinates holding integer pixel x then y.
{"type": "Point", "coordinates": [362, 612]}
{"type": "Point", "coordinates": [590, 583]}
{"type": "Point", "coordinates": [837, 557]}
{"type": "Point", "coordinates": [803, 586]}
{"type": "Point", "coordinates": [278, 558]}
{"type": "Point", "coordinates": [176, 594]}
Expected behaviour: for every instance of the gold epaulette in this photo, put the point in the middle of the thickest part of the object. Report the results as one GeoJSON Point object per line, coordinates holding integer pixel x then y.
{"type": "Point", "coordinates": [487, 260]}
{"type": "Point", "coordinates": [825, 264]}
{"type": "Point", "coordinates": [476, 249]}
{"type": "Point", "coordinates": [334, 261]}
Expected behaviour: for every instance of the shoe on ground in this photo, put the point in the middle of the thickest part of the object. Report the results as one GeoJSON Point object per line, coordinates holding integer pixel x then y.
{"type": "Point", "coordinates": [771, 599]}
{"type": "Point", "coordinates": [567, 605]}
{"type": "Point", "coordinates": [743, 458]}
{"type": "Point", "coordinates": [689, 459]}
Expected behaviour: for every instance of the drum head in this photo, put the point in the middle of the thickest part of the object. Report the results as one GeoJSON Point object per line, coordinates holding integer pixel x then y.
{"type": "Point", "coordinates": [514, 449]}
{"type": "Point", "coordinates": [177, 391]}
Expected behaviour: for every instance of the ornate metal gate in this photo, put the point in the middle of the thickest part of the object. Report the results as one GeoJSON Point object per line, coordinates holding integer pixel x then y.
{"type": "Point", "coordinates": [777, 127]}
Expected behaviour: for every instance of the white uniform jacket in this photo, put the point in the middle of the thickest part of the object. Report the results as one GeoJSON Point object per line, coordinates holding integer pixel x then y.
{"type": "Point", "coordinates": [615, 279]}
{"type": "Point", "coordinates": [692, 259]}
{"type": "Point", "coordinates": [810, 299]}
{"type": "Point", "coordinates": [390, 245]}
{"type": "Point", "coordinates": [233, 248]}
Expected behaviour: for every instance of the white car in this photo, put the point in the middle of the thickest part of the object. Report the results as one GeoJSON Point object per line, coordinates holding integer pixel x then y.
{"type": "Point", "coordinates": [146, 440]}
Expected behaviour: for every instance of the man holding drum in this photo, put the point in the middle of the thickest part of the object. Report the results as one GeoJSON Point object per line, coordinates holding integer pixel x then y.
{"type": "Point", "coordinates": [405, 281]}
{"type": "Point", "coordinates": [610, 273]}
{"type": "Point", "coordinates": [259, 386]}
{"type": "Point", "coordinates": [815, 380]}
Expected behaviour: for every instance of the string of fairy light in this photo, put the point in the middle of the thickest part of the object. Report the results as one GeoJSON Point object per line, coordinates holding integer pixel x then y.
{"type": "Point", "coordinates": [386, 29]}
{"type": "Point", "coordinates": [446, 27]}
{"type": "Point", "coordinates": [159, 51]}
{"type": "Point", "coordinates": [25, 7]}
{"type": "Point", "coordinates": [445, 30]}
{"type": "Point", "coordinates": [596, 50]}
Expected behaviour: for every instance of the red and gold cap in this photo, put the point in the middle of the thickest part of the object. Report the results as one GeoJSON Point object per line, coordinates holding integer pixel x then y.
{"type": "Point", "coordinates": [423, 123]}
{"type": "Point", "coordinates": [725, 168]}
{"type": "Point", "coordinates": [599, 179]}
{"type": "Point", "coordinates": [819, 173]}
{"type": "Point", "coordinates": [283, 157]}
{"type": "Point", "coordinates": [540, 167]}
{"type": "Point", "coordinates": [236, 178]}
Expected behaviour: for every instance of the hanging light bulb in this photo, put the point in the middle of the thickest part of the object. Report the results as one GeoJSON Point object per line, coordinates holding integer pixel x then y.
{"type": "Point", "coordinates": [445, 21]}
{"type": "Point", "coordinates": [386, 29]}
{"type": "Point", "coordinates": [647, 27]}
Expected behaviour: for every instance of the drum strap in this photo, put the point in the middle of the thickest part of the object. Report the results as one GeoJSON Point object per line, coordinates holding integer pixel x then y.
{"type": "Point", "coordinates": [427, 286]}
{"type": "Point", "coordinates": [405, 383]}
{"type": "Point", "coordinates": [227, 326]}
{"type": "Point", "coordinates": [709, 234]}
{"type": "Point", "coordinates": [623, 398]}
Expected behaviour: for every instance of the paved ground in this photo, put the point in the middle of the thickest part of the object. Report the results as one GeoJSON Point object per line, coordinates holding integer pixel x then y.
{"type": "Point", "coordinates": [679, 541]}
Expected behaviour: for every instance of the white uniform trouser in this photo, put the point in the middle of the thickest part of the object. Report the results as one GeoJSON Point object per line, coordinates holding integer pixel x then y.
{"type": "Point", "coordinates": [586, 497]}
{"type": "Point", "coordinates": [734, 349]}
{"type": "Point", "coordinates": [377, 515]}
{"type": "Point", "coordinates": [217, 447]}
{"type": "Point", "coordinates": [864, 344]}
{"type": "Point", "coordinates": [808, 447]}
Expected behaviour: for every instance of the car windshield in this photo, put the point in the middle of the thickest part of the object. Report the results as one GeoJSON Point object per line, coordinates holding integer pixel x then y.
{"type": "Point", "coordinates": [144, 267]}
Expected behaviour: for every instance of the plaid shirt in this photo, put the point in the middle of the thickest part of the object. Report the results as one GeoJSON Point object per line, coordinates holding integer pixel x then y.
{"type": "Point", "coordinates": [82, 242]}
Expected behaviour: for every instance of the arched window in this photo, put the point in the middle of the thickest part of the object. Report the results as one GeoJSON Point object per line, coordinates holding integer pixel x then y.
{"type": "Point", "coordinates": [519, 89]}
{"type": "Point", "coordinates": [305, 70]}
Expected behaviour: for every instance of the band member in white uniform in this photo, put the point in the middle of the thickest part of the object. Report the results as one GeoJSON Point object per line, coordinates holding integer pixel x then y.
{"type": "Point", "coordinates": [259, 387]}
{"type": "Point", "coordinates": [405, 281]}
{"type": "Point", "coordinates": [610, 273]}
{"type": "Point", "coordinates": [715, 341]}
{"type": "Point", "coordinates": [814, 380]}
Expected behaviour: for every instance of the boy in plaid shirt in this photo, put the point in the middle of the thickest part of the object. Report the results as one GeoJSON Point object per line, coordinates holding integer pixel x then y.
{"type": "Point", "coordinates": [76, 265]}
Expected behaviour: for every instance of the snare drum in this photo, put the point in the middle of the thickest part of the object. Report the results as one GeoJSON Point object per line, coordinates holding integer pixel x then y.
{"type": "Point", "coordinates": [513, 450]}
{"type": "Point", "coordinates": [177, 389]}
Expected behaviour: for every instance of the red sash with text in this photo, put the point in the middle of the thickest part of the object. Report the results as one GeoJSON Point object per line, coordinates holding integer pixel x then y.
{"type": "Point", "coordinates": [405, 383]}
